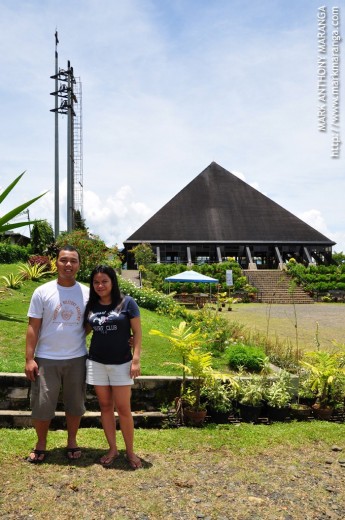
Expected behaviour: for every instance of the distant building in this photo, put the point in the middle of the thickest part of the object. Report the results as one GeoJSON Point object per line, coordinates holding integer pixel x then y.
{"type": "Point", "coordinates": [217, 216]}
{"type": "Point", "coordinates": [15, 238]}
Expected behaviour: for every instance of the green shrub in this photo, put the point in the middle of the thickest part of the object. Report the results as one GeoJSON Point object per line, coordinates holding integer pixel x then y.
{"type": "Point", "coordinates": [318, 278]}
{"type": "Point", "coordinates": [245, 357]}
{"type": "Point", "coordinates": [214, 328]}
{"type": "Point", "coordinates": [11, 253]}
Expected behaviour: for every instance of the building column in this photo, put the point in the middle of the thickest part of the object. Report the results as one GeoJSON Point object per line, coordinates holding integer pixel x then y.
{"type": "Point", "coordinates": [251, 264]}
{"type": "Point", "coordinates": [189, 256]}
{"type": "Point", "coordinates": [219, 255]}
{"type": "Point", "coordinates": [279, 257]}
{"type": "Point", "coordinates": [307, 254]}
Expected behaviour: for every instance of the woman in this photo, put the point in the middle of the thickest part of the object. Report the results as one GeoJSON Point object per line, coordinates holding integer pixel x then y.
{"type": "Point", "coordinates": [111, 366]}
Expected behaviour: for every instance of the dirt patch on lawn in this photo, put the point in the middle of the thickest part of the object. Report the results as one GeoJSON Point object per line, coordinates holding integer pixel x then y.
{"type": "Point", "coordinates": [276, 484]}
{"type": "Point", "coordinates": [318, 322]}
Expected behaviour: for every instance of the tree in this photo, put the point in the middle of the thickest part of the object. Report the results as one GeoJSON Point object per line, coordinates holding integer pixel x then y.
{"type": "Point", "coordinates": [143, 255]}
{"type": "Point", "coordinates": [5, 219]}
{"type": "Point", "coordinates": [79, 221]}
{"type": "Point", "coordinates": [42, 236]}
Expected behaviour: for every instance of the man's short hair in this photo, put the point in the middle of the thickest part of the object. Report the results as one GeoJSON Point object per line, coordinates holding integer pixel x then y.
{"type": "Point", "coordinates": [67, 247]}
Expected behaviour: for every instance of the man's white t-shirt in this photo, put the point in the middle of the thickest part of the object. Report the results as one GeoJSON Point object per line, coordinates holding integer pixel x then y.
{"type": "Point", "coordinates": [62, 335]}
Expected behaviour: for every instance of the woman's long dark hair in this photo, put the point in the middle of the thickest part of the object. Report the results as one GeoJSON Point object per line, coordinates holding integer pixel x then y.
{"type": "Point", "coordinates": [116, 296]}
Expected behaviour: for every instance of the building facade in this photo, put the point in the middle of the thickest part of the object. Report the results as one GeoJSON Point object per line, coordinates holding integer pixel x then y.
{"type": "Point", "coordinates": [218, 216]}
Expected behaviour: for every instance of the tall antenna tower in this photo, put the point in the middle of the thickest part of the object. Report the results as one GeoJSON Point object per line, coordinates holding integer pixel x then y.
{"type": "Point", "coordinates": [78, 150]}
{"type": "Point", "coordinates": [68, 89]}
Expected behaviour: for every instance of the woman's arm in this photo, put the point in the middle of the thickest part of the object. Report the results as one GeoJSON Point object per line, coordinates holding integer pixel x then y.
{"type": "Point", "coordinates": [137, 337]}
{"type": "Point", "coordinates": [88, 328]}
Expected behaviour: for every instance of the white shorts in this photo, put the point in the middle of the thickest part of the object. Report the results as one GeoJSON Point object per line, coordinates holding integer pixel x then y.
{"type": "Point", "coordinates": [108, 375]}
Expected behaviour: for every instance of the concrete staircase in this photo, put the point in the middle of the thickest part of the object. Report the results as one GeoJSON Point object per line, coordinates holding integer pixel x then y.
{"type": "Point", "coordinates": [132, 275]}
{"type": "Point", "coordinates": [274, 287]}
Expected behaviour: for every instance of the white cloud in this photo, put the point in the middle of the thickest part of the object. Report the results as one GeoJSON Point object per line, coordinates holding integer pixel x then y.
{"type": "Point", "coordinates": [169, 87]}
{"type": "Point", "coordinates": [114, 218]}
{"type": "Point", "coordinates": [314, 218]}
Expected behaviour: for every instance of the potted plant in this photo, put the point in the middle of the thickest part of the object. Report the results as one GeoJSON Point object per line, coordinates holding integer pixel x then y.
{"type": "Point", "coordinates": [325, 376]}
{"type": "Point", "coordinates": [221, 300]}
{"type": "Point", "coordinates": [182, 339]}
{"type": "Point", "coordinates": [251, 397]}
{"type": "Point", "coordinates": [195, 364]}
{"type": "Point", "coordinates": [199, 367]}
{"type": "Point", "coordinates": [278, 396]}
{"type": "Point", "coordinates": [229, 301]}
{"type": "Point", "coordinates": [218, 396]}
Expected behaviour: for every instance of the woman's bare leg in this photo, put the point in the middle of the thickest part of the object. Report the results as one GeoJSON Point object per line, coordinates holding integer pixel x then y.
{"type": "Point", "coordinates": [106, 404]}
{"type": "Point", "coordinates": [122, 400]}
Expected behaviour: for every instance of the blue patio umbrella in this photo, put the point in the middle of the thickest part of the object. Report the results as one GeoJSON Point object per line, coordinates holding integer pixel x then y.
{"type": "Point", "coordinates": [191, 276]}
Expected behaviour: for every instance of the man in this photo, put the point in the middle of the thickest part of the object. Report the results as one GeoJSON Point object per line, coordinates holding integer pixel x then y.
{"type": "Point", "coordinates": [56, 353]}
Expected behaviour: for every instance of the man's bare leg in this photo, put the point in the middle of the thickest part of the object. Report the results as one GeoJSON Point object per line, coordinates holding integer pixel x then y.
{"type": "Point", "coordinates": [73, 423]}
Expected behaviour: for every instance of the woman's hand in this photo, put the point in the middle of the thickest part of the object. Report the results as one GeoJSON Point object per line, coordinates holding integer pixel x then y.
{"type": "Point", "coordinates": [135, 369]}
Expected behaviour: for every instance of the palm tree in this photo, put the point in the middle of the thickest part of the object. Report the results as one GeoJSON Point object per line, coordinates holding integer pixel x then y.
{"type": "Point", "coordinates": [5, 219]}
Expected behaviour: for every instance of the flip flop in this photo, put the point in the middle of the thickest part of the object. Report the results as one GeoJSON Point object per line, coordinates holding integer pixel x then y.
{"type": "Point", "coordinates": [109, 460]}
{"type": "Point", "coordinates": [38, 454]}
{"type": "Point", "coordinates": [134, 462]}
{"type": "Point", "coordinates": [70, 453]}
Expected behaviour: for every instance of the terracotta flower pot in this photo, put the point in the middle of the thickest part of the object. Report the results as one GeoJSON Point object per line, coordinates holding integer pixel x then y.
{"type": "Point", "coordinates": [324, 414]}
{"type": "Point", "coordinates": [193, 417]}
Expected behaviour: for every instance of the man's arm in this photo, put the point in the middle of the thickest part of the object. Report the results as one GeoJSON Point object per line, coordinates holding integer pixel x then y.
{"type": "Point", "coordinates": [31, 367]}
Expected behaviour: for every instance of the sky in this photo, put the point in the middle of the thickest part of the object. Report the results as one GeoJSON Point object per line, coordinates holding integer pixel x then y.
{"type": "Point", "coordinates": [168, 86]}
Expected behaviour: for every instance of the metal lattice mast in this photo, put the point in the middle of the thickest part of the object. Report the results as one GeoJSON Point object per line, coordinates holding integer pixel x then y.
{"type": "Point", "coordinates": [68, 89]}
{"type": "Point", "coordinates": [56, 190]}
{"type": "Point", "coordinates": [78, 150]}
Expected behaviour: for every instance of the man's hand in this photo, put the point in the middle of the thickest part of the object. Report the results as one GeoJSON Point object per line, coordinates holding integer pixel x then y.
{"type": "Point", "coordinates": [31, 370]}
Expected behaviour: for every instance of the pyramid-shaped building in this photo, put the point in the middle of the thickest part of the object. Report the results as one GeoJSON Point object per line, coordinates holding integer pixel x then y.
{"type": "Point", "coordinates": [217, 216]}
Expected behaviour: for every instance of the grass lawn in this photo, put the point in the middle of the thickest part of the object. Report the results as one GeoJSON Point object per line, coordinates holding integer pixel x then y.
{"type": "Point", "coordinates": [318, 323]}
{"type": "Point", "coordinates": [6, 269]}
{"type": "Point", "coordinates": [283, 471]}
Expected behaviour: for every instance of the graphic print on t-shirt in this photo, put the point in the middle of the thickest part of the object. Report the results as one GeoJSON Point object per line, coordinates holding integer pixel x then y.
{"type": "Point", "coordinates": [67, 312]}
{"type": "Point", "coordinates": [102, 321]}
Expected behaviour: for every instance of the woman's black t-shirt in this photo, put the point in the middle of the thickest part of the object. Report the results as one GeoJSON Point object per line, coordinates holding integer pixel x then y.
{"type": "Point", "coordinates": [111, 332]}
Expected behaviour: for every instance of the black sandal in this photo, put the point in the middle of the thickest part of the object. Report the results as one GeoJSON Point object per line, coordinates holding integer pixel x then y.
{"type": "Point", "coordinates": [38, 454]}
{"type": "Point", "coordinates": [70, 453]}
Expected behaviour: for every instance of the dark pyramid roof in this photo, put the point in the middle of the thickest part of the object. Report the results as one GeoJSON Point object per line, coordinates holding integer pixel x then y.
{"type": "Point", "coordinates": [218, 207]}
